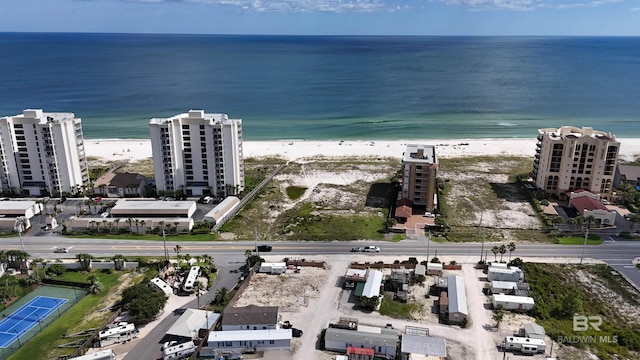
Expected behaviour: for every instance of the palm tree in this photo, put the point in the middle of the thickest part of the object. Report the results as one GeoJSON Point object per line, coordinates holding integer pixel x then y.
{"type": "Point", "coordinates": [176, 223]}
{"type": "Point", "coordinates": [495, 250]}
{"type": "Point", "coordinates": [502, 250]}
{"type": "Point", "coordinates": [512, 248]}
{"type": "Point", "coordinates": [160, 226]}
{"type": "Point", "coordinates": [95, 286]}
{"type": "Point", "coordinates": [118, 261]}
{"type": "Point", "coordinates": [178, 250]}
{"type": "Point", "coordinates": [85, 261]}
{"type": "Point", "coordinates": [137, 221]}
{"type": "Point", "coordinates": [130, 222]}
{"type": "Point", "coordinates": [221, 296]}
{"type": "Point", "coordinates": [117, 221]}
{"type": "Point", "coordinates": [198, 288]}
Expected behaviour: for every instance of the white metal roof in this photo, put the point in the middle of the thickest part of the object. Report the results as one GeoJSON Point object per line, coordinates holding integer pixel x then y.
{"type": "Point", "coordinates": [222, 209]}
{"type": "Point", "coordinates": [423, 345]}
{"type": "Point", "coordinates": [372, 286]}
{"type": "Point", "coordinates": [162, 285]}
{"type": "Point", "coordinates": [191, 321]}
{"type": "Point", "coordinates": [497, 284]}
{"type": "Point", "coordinates": [144, 207]}
{"type": "Point", "coordinates": [457, 294]}
{"type": "Point", "coordinates": [513, 299]}
{"type": "Point", "coordinates": [250, 335]}
{"type": "Point", "coordinates": [356, 272]}
{"type": "Point", "coordinates": [13, 205]}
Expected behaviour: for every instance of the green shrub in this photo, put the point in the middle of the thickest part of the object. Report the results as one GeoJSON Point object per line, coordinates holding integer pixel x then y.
{"type": "Point", "coordinates": [55, 270]}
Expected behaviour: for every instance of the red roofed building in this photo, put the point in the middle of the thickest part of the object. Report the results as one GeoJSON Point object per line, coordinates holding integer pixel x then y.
{"type": "Point", "coordinates": [588, 204]}
{"type": "Point", "coordinates": [363, 353]}
{"type": "Point", "coordinates": [404, 209]}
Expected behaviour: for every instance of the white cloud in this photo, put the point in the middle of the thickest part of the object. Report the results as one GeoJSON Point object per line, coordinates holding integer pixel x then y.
{"type": "Point", "coordinates": [338, 6]}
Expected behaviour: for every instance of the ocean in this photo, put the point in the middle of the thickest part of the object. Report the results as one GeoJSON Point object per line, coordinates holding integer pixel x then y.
{"type": "Point", "coordinates": [328, 87]}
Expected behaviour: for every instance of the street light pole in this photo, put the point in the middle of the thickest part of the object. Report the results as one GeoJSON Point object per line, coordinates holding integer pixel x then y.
{"type": "Point", "coordinates": [19, 227]}
{"type": "Point", "coordinates": [164, 241]}
{"type": "Point", "coordinates": [584, 245]}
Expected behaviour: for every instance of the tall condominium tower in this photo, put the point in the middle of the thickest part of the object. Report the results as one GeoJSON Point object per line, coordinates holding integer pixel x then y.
{"type": "Point", "coordinates": [570, 158]}
{"type": "Point", "coordinates": [198, 154]}
{"type": "Point", "coordinates": [42, 154]}
{"type": "Point", "coordinates": [419, 169]}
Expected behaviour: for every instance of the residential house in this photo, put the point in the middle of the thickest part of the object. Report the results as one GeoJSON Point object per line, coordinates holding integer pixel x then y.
{"type": "Point", "coordinates": [120, 185]}
{"type": "Point", "coordinates": [250, 317]}
{"type": "Point", "coordinates": [383, 341]}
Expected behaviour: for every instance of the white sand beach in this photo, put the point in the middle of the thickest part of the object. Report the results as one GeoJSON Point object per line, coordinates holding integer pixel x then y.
{"type": "Point", "coordinates": [292, 150]}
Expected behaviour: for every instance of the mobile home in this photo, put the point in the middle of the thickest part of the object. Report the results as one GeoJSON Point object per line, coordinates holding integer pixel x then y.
{"type": "Point", "coordinates": [512, 302]}
{"type": "Point", "coordinates": [272, 268]}
{"type": "Point", "coordinates": [511, 274]}
{"type": "Point", "coordinates": [162, 286]}
{"type": "Point", "coordinates": [524, 345]}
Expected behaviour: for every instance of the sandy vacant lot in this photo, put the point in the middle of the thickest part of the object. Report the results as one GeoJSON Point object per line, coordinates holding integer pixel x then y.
{"type": "Point", "coordinates": [314, 298]}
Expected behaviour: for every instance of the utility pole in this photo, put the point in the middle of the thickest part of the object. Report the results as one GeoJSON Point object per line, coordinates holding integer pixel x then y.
{"type": "Point", "coordinates": [584, 245]}
{"type": "Point", "coordinates": [164, 241]}
{"type": "Point", "coordinates": [428, 242]}
{"type": "Point", "coordinates": [480, 230]}
{"type": "Point", "coordinates": [255, 236]}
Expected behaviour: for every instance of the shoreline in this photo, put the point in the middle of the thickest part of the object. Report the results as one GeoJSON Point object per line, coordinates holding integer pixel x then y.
{"type": "Point", "coordinates": [292, 150]}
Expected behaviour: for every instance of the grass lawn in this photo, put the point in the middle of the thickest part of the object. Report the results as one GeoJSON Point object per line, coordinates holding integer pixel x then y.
{"type": "Point", "coordinates": [574, 240]}
{"type": "Point", "coordinates": [396, 309]}
{"type": "Point", "coordinates": [295, 192]}
{"type": "Point", "coordinates": [152, 237]}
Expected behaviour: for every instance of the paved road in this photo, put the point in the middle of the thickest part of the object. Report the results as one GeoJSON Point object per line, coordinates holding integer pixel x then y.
{"type": "Point", "coordinates": [149, 346]}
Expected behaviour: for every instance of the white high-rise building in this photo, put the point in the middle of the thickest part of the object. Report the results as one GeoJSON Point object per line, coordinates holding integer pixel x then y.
{"type": "Point", "coordinates": [42, 154]}
{"type": "Point", "coordinates": [571, 158]}
{"type": "Point", "coordinates": [198, 154]}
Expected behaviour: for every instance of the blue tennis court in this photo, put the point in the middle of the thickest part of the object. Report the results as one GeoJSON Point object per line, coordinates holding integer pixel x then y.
{"type": "Point", "coordinates": [26, 318]}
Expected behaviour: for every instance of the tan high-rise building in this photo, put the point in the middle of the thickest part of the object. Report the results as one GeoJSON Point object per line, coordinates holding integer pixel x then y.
{"type": "Point", "coordinates": [571, 158]}
{"type": "Point", "coordinates": [42, 153]}
{"type": "Point", "coordinates": [419, 169]}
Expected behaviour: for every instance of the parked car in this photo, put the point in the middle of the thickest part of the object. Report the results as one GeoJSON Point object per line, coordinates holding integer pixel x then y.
{"type": "Point", "coordinates": [371, 249]}
{"type": "Point", "coordinates": [357, 249]}
{"type": "Point", "coordinates": [429, 215]}
{"type": "Point", "coordinates": [264, 248]}
{"type": "Point", "coordinates": [296, 332]}
{"type": "Point", "coordinates": [61, 250]}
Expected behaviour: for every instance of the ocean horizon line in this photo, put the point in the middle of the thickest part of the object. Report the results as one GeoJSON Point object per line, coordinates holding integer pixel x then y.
{"type": "Point", "coordinates": [533, 36]}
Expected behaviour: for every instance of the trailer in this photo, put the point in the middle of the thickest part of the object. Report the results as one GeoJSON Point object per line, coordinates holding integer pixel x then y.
{"type": "Point", "coordinates": [98, 355]}
{"type": "Point", "coordinates": [173, 350]}
{"type": "Point", "coordinates": [121, 329]}
{"type": "Point", "coordinates": [511, 274]}
{"type": "Point", "coordinates": [512, 302]}
{"type": "Point", "coordinates": [272, 268]}
{"type": "Point", "coordinates": [523, 345]}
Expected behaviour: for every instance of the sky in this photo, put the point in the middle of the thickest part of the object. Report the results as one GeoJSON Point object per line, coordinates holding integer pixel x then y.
{"type": "Point", "coordinates": [325, 17]}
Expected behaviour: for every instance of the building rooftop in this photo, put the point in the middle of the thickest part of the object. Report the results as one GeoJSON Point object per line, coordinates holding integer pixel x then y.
{"type": "Point", "coordinates": [423, 345]}
{"type": "Point", "coordinates": [191, 321]}
{"type": "Point", "coordinates": [250, 335]}
{"type": "Point", "coordinates": [587, 203]}
{"type": "Point", "coordinates": [575, 132]}
{"type": "Point", "coordinates": [194, 114]}
{"type": "Point", "coordinates": [513, 298]}
{"type": "Point", "coordinates": [383, 338]}
{"type": "Point", "coordinates": [420, 154]}
{"type": "Point", "coordinates": [119, 180]}
{"type": "Point", "coordinates": [372, 286]}
{"type": "Point", "coordinates": [457, 295]}
{"type": "Point", "coordinates": [250, 315]}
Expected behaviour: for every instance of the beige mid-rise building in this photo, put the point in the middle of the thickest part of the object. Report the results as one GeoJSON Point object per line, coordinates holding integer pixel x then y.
{"type": "Point", "coordinates": [571, 158]}
{"type": "Point", "coordinates": [419, 169]}
{"type": "Point", "coordinates": [198, 154]}
{"type": "Point", "coordinates": [42, 153]}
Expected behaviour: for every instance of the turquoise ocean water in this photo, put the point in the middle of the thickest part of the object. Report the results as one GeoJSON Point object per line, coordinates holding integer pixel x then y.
{"type": "Point", "coordinates": [328, 87]}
